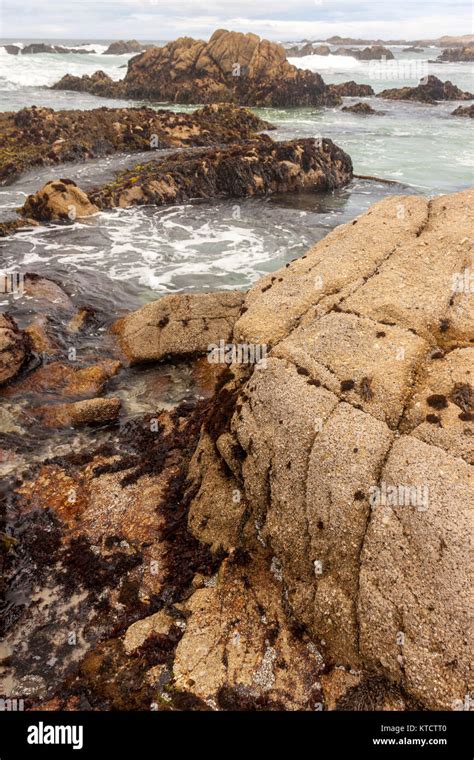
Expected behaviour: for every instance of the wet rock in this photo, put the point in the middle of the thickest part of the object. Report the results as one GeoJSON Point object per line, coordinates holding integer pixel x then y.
{"type": "Point", "coordinates": [61, 381]}
{"type": "Point", "coordinates": [94, 411]}
{"type": "Point", "coordinates": [237, 652]}
{"type": "Point", "coordinates": [47, 294]}
{"type": "Point", "coordinates": [59, 200]}
{"type": "Point", "coordinates": [413, 49]}
{"type": "Point", "coordinates": [12, 49]}
{"type": "Point", "coordinates": [464, 111]}
{"type": "Point", "coordinates": [458, 54]}
{"type": "Point", "coordinates": [430, 90]}
{"type": "Point", "coordinates": [13, 348]}
{"type": "Point", "coordinates": [361, 108]}
{"type": "Point", "coordinates": [251, 169]}
{"type": "Point", "coordinates": [160, 623]}
{"type": "Point", "coordinates": [231, 67]}
{"type": "Point", "coordinates": [41, 136]}
{"type": "Point", "coordinates": [352, 89]}
{"type": "Point", "coordinates": [122, 47]}
{"type": "Point", "coordinates": [41, 341]}
{"type": "Point", "coordinates": [178, 325]}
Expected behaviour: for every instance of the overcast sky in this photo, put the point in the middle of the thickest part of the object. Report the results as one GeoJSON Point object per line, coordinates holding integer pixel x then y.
{"type": "Point", "coordinates": [274, 19]}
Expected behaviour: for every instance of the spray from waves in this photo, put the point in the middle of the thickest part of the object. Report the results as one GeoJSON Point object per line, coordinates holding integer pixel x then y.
{"type": "Point", "coordinates": [44, 69]}
{"type": "Point", "coordinates": [327, 62]}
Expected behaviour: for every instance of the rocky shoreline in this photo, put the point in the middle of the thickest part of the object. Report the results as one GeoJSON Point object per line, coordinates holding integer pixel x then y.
{"type": "Point", "coordinates": [198, 590]}
{"type": "Point", "coordinates": [289, 531]}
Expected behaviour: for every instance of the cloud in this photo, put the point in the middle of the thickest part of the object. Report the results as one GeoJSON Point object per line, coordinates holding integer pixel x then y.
{"type": "Point", "coordinates": [276, 19]}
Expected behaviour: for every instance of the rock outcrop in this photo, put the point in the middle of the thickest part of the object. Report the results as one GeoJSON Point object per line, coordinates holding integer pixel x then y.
{"type": "Point", "coordinates": [59, 200]}
{"type": "Point", "coordinates": [237, 171]}
{"type": "Point", "coordinates": [358, 494]}
{"type": "Point", "coordinates": [178, 325]}
{"type": "Point", "coordinates": [454, 55]}
{"type": "Point", "coordinates": [231, 67]}
{"type": "Point", "coordinates": [464, 111]}
{"type": "Point", "coordinates": [430, 90]}
{"type": "Point", "coordinates": [41, 136]}
{"type": "Point", "coordinates": [42, 47]}
{"type": "Point", "coordinates": [307, 49]}
{"type": "Point", "coordinates": [361, 108]}
{"type": "Point", "coordinates": [13, 348]}
{"type": "Point", "coordinates": [372, 53]}
{"type": "Point", "coordinates": [352, 89]}
{"type": "Point", "coordinates": [12, 49]}
{"type": "Point", "coordinates": [124, 46]}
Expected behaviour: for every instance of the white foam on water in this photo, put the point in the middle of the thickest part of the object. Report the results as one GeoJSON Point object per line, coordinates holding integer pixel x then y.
{"type": "Point", "coordinates": [44, 69]}
{"type": "Point", "coordinates": [327, 63]}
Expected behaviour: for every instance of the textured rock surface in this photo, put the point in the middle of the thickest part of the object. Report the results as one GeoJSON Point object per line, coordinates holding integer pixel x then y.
{"type": "Point", "coordinates": [41, 136]}
{"type": "Point", "coordinates": [59, 200]}
{"type": "Point", "coordinates": [237, 171]}
{"type": "Point", "coordinates": [13, 348]}
{"type": "Point", "coordinates": [93, 411]}
{"type": "Point", "coordinates": [360, 500]}
{"type": "Point", "coordinates": [178, 325]}
{"type": "Point", "coordinates": [430, 90]}
{"type": "Point", "coordinates": [231, 67]}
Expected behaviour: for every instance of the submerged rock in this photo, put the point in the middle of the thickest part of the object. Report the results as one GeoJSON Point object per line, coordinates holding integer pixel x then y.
{"type": "Point", "coordinates": [93, 411]}
{"type": "Point", "coordinates": [178, 325]}
{"type": "Point", "coordinates": [362, 108]}
{"type": "Point", "coordinates": [430, 90]}
{"type": "Point", "coordinates": [231, 67]}
{"type": "Point", "coordinates": [13, 348]}
{"type": "Point", "coordinates": [238, 171]}
{"type": "Point", "coordinates": [59, 200]}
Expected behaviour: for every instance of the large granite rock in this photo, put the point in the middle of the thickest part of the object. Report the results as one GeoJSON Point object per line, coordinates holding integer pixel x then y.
{"type": "Point", "coordinates": [358, 495]}
{"type": "Point", "coordinates": [231, 67]}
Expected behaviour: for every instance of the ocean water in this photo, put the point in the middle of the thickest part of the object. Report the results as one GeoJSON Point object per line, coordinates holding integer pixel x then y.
{"type": "Point", "coordinates": [120, 259]}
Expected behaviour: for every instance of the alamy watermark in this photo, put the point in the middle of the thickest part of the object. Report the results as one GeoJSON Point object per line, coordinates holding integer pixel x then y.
{"type": "Point", "coordinates": [408, 70]}
{"type": "Point", "coordinates": [400, 495]}
{"type": "Point", "coordinates": [237, 353]}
